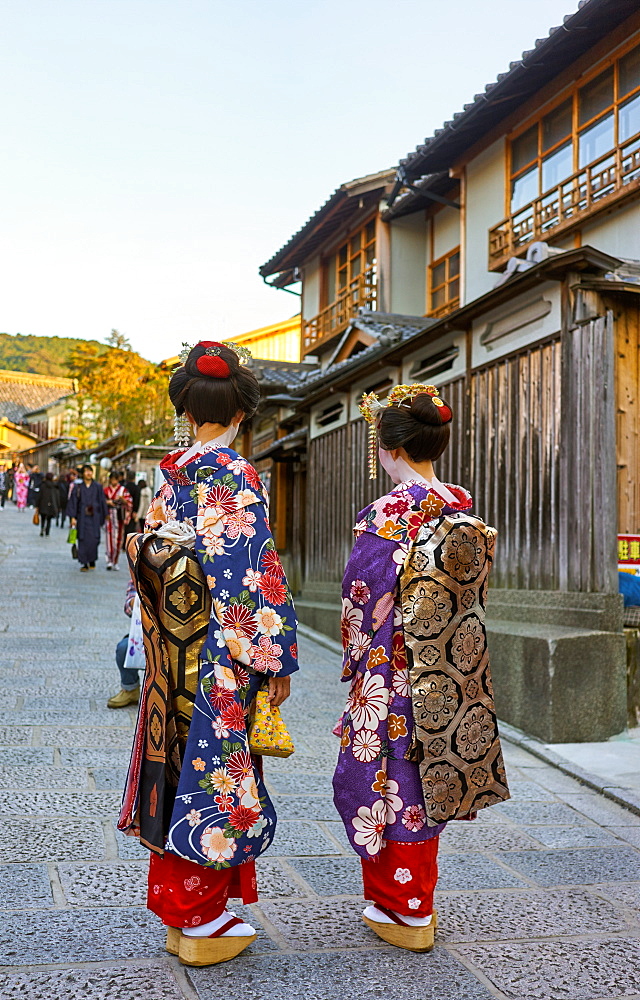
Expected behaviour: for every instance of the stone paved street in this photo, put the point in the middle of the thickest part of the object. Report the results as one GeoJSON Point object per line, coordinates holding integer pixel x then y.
{"type": "Point", "coordinates": [539, 898]}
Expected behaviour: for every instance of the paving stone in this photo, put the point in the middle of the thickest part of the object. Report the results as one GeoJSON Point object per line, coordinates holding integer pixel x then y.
{"type": "Point", "coordinates": [573, 836]}
{"type": "Point", "coordinates": [315, 783]}
{"type": "Point", "coordinates": [299, 838]}
{"type": "Point", "coordinates": [473, 837]}
{"type": "Point", "coordinates": [105, 885]}
{"type": "Point", "coordinates": [48, 700]}
{"type": "Point", "coordinates": [475, 871]}
{"type": "Point", "coordinates": [130, 848]}
{"type": "Point", "coordinates": [59, 804]}
{"type": "Point", "coordinates": [577, 867]}
{"type": "Point", "coordinates": [317, 807]}
{"type": "Point", "coordinates": [555, 970]}
{"type": "Point", "coordinates": [602, 810]}
{"type": "Point", "coordinates": [96, 757]}
{"type": "Point", "coordinates": [338, 831]}
{"type": "Point", "coordinates": [629, 895]}
{"type": "Point", "coordinates": [629, 833]}
{"type": "Point", "coordinates": [252, 915]}
{"type": "Point", "coordinates": [41, 776]}
{"type": "Point", "coordinates": [274, 881]}
{"type": "Point", "coordinates": [92, 935]}
{"type": "Point", "coordinates": [52, 717]}
{"type": "Point", "coordinates": [312, 926]}
{"type": "Point", "coordinates": [331, 876]}
{"type": "Point", "coordinates": [52, 840]}
{"type": "Point", "coordinates": [109, 777]}
{"type": "Point", "coordinates": [13, 736]}
{"type": "Point", "coordinates": [549, 777]}
{"type": "Point", "coordinates": [529, 791]}
{"type": "Point", "coordinates": [299, 764]}
{"type": "Point", "coordinates": [495, 916]}
{"type": "Point", "coordinates": [26, 755]}
{"type": "Point", "coordinates": [69, 736]}
{"type": "Point", "coordinates": [24, 886]}
{"type": "Point", "coordinates": [327, 976]}
{"type": "Point", "coordinates": [115, 983]}
{"type": "Point", "coordinates": [536, 812]}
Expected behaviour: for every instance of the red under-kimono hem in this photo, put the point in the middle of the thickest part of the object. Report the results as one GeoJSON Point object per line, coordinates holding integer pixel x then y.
{"type": "Point", "coordinates": [184, 894]}
{"type": "Point", "coordinates": [402, 877]}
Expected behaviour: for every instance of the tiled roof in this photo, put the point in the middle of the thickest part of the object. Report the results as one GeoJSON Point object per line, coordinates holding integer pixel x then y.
{"type": "Point", "coordinates": [579, 32]}
{"type": "Point", "coordinates": [21, 393]}
{"type": "Point", "coordinates": [328, 217]}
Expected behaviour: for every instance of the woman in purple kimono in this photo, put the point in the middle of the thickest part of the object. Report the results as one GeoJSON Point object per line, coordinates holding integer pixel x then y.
{"type": "Point", "coordinates": [419, 742]}
{"type": "Point", "coordinates": [219, 625]}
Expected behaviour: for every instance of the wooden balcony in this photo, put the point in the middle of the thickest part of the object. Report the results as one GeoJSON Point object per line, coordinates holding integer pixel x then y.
{"type": "Point", "coordinates": [593, 190]}
{"type": "Point", "coordinates": [334, 319]}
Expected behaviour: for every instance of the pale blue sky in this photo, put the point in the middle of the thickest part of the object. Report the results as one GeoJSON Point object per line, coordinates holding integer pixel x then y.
{"type": "Point", "coordinates": [156, 152]}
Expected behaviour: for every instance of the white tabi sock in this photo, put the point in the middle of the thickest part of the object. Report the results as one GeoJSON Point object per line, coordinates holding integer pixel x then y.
{"type": "Point", "coordinates": [373, 913]}
{"type": "Point", "coordinates": [205, 930]}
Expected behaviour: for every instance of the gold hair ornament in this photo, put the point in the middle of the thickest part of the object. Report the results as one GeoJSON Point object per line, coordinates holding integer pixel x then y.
{"type": "Point", "coordinates": [243, 353]}
{"type": "Point", "coordinates": [371, 409]}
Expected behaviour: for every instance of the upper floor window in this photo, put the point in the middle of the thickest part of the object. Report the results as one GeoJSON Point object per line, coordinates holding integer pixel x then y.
{"type": "Point", "coordinates": [354, 258]}
{"type": "Point", "coordinates": [444, 284]}
{"type": "Point", "coordinates": [584, 149]}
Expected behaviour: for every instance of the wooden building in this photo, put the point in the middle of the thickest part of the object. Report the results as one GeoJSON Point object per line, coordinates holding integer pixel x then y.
{"type": "Point", "coordinates": [503, 264]}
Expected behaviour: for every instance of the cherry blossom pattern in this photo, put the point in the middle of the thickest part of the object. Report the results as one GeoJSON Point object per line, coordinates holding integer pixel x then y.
{"type": "Point", "coordinates": [403, 875]}
{"type": "Point", "coordinates": [359, 592]}
{"type": "Point", "coordinates": [215, 846]}
{"type": "Point", "coordinates": [251, 579]}
{"type": "Point", "coordinates": [369, 824]}
{"type": "Point", "coordinates": [350, 622]}
{"type": "Point", "coordinates": [414, 904]}
{"type": "Point", "coordinates": [414, 818]}
{"type": "Point", "coordinates": [266, 655]}
{"type": "Point", "coordinates": [368, 703]}
{"type": "Point", "coordinates": [269, 622]}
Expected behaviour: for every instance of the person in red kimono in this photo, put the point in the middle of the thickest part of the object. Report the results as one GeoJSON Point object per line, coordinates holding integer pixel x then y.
{"type": "Point", "coordinates": [419, 743]}
{"type": "Point", "coordinates": [120, 509]}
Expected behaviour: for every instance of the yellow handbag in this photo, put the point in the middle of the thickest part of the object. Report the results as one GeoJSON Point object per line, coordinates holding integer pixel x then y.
{"type": "Point", "coordinates": [269, 737]}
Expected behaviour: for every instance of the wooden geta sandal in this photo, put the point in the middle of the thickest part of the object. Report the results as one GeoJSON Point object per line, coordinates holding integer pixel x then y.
{"type": "Point", "coordinates": [401, 934]}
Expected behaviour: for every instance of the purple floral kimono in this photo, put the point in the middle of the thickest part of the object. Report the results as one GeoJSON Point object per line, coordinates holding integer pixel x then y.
{"type": "Point", "coordinates": [378, 785]}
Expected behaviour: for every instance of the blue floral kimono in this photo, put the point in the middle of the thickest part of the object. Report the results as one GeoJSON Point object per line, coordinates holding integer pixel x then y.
{"type": "Point", "coordinates": [220, 813]}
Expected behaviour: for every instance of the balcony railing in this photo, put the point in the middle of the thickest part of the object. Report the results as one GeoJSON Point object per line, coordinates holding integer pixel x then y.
{"type": "Point", "coordinates": [563, 208]}
{"type": "Point", "coordinates": [334, 319]}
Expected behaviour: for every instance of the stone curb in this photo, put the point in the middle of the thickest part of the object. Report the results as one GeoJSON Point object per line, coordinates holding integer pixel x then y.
{"type": "Point", "coordinates": [627, 797]}
{"type": "Point", "coordinates": [321, 639]}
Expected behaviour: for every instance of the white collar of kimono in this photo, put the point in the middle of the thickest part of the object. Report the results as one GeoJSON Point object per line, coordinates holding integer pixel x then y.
{"type": "Point", "coordinates": [401, 472]}
{"type": "Point", "coordinates": [222, 441]}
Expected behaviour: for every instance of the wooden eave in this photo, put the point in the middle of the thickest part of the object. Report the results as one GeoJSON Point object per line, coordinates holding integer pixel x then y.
{"type": "Point", "coordinates": [582, 259]}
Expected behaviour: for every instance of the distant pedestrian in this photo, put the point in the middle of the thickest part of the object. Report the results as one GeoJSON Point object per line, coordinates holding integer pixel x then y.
{"type": "Point", "coordinates": [4, 483]}
{"type": "Point", "coordinates": [129, 655]}
{"type": "Point", "coordinates": [145, 503]}
{"type": "Point", "coordinates": [48, 503]}
{"type": "Point", "coordinates": [419, 739]}
{"type": "Point", "coordinates": [21, 486]}
{"type": "Point", "coordinates": [119, 512]}
{"type": "Point", "coordinates": [35, 482]}
{"type": "Point", "coordinates": [66, 486]}
{"type": "Point", "coordinates": [87, 509]}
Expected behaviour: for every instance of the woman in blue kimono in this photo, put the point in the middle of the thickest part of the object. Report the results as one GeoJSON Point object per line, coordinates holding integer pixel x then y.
{"type": "Point", "coordinates": [87, 509]}
{"type": "Point", "coordinates": [419, 743]}
{"type": "Point", "coordinates": [219, 624]}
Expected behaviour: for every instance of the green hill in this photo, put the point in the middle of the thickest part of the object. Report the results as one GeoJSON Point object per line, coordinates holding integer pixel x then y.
{"type": "Point", "coordinates": [41, 355]}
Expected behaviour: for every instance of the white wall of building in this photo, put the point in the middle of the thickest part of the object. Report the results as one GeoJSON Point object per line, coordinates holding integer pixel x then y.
{"type": "Point", "coordinates": [446, 231]}
{"type": "Point", "coordinates": [617, 234]}
{"type": "Point", "coordinates": [408, 261]}
{"type": "Point", "coordinates": [311, 289]}
{"type": "Point", "coordinates": [484, 209]}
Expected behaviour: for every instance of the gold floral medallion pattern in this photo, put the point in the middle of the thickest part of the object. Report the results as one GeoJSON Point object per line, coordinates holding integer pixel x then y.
{"type": "Point", "coordinates": [443, 595]}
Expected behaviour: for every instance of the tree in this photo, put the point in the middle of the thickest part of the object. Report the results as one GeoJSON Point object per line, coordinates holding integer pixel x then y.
{"type": "Point", "coordinates": [120, 392]}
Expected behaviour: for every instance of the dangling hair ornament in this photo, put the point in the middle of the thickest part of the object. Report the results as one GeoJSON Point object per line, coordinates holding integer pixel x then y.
{"type": "Point", "coordinates": [371, 409]}
{"type": "Point", "coordinates": [181, 430]}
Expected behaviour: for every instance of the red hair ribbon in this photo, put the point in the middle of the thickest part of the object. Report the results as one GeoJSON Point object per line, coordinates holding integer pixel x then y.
{"type": "Point", "coordinates": [445, 413]}
{"type": "Point", "coordinates": [211, 363]}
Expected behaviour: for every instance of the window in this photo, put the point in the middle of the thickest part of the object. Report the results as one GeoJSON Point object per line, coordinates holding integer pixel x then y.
{"type": "Point", "coordinates": [355, 257]}
{"type": "Point", "coordinates": [582, 131]}
{"type": "Point", "coordinates": [444, 284]}
{"type": "Point", "coordinates": [573, 160]}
